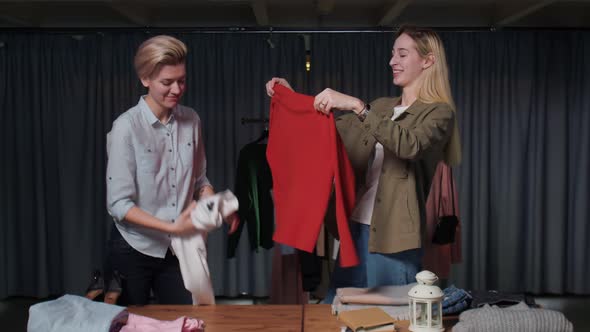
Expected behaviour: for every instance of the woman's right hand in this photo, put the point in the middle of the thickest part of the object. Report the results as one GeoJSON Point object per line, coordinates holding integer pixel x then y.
{"type": "Point", "coordinates": [276, 80]}
{"type": "Point", "coordinates": [183, 225]}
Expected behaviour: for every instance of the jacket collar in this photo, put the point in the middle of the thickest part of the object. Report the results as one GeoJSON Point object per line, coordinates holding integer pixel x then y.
{"type": "Point", "coordinates": [416, 108]}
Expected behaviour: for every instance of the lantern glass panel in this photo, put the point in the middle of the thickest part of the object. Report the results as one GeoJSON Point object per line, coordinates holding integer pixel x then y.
{"type": "Point", "coordinates": [436, 319]}
{"type": "Point", "coordinates": [421, 314]}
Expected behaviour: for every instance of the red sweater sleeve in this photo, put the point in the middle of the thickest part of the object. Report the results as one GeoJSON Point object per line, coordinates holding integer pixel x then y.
{"type": "Point", "coordinates": [307, 159]}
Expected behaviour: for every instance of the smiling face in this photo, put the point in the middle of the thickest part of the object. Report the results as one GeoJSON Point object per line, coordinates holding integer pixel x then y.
{"type": "Point", "coordinates": [406, 62]}
{"type": "Point", "coordinates": [166, 87]}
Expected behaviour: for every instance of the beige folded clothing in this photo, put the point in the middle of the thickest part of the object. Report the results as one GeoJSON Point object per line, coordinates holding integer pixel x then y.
{"type": "Point", "coordinates": [382, 295]}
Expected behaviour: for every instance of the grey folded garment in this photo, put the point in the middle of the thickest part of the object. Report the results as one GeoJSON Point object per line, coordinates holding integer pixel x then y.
{"type": "Point", "coordinates": [75, 313]}
{"type": "Point", "coordinates": [381, 295]}
{"type": "Point", "coordinates": [515, 318]}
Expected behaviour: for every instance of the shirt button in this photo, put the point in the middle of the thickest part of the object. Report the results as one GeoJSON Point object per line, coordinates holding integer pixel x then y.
{"type": "Point", "coordinates": [167, 134]}
{"type": "Point", "coordinates": [189, 144]}
{"type": "Point", "coordinates": [172, 168]}
{"type": "Point", "coordinates": [169, 150]}
{"type": "Point", "coordinates": [374, 229]}
{"type": "Point", "coordinates": [173, 186]}
{"type": "Point", "coordinates": [173, 204]}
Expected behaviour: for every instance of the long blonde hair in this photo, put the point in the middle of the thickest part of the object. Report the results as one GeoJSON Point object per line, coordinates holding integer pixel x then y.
{"type": "Point", "coordinates": [435, 86]}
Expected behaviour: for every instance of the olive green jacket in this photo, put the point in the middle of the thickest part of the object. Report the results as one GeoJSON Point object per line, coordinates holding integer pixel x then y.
{"type": "Point", "coordinates": [413, 144]}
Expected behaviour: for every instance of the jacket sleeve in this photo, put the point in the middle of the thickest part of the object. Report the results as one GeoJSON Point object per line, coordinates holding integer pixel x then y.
{"type": "Point", "coordinates": [412, 143]}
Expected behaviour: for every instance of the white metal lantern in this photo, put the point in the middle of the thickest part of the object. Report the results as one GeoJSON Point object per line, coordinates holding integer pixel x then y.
{"type": "Point", "coordinates": [426, 304]}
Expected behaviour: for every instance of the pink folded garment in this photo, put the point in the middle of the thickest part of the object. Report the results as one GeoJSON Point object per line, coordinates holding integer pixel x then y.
{"type": "Point", "coordinates": [138, 323]}
{"type": "Point", "coordinates": [382, 295]}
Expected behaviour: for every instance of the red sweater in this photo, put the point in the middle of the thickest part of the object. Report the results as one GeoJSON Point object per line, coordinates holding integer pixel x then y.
{"type": "Point", "coordinates": [307, 159]}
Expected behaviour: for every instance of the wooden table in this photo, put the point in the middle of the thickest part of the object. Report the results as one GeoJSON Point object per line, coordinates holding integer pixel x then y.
{"type": "Point", "coordinates": [318, 317]}
{"type": "Point", "coordinates": [280, 318]}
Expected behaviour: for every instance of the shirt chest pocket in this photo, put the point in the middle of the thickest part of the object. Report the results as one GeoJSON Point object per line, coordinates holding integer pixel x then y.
{"type": "Point", "coordinates": [395, 167]}
{"type": "Point", "coordinates": [186, 150]}
{"type": "Point", "coordinates": [148, 160]}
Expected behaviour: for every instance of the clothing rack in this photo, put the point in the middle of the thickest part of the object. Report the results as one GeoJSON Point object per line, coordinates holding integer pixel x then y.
{"type": "Point", "coordinates": [254, 120]}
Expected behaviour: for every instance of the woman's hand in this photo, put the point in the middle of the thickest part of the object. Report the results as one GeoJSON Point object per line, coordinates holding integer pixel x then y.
{"type": "Point", "coordinates": [329, 100]}
{"type": "Point", "coordinates": [183, 225]}
{"type": "Point", "coordinates": [276, 80]}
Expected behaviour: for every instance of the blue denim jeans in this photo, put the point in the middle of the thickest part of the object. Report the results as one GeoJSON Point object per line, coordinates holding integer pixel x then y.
{"type": "Point", "coordinates": [455, 300]}
{"type": "Point", "coordinates": [374, 269]}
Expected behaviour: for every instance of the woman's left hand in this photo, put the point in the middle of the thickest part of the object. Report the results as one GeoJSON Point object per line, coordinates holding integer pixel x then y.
{"type": "Point", "coordinates": [329, 100]}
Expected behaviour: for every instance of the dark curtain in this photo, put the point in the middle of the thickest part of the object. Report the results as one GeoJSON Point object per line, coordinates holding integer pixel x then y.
{"type": "Point", "coordinates": [59, 95]}
{"type": "Point", "coordinates": [523, 109]}
{"type": "Point", "coordinates": [524, 112]}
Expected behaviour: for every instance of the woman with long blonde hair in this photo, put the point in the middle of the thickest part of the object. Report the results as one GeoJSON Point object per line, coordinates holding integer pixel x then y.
{"type": "Point", "coordinates": [394, 145]}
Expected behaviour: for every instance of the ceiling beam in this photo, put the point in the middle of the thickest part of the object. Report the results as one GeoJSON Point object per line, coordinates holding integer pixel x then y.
{"type": "Point", "coordinates": [50, 1]}
{"type": "Point", "coordinates": [11, 20]}
{"type": "Point", "coordinates": [260, 12]}
{"type": "Point", "coordinates": [393, 12]}
{"type": "Point", "coordinates": [325, 7]}
{"type": "Point", "coordinates": [133, 13]}
{"type": "Point", "coordinates": [523, 12]}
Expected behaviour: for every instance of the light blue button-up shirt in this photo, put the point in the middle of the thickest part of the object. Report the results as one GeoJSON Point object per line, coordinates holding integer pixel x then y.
{"type": "Point", "coordinates": [156, 167]}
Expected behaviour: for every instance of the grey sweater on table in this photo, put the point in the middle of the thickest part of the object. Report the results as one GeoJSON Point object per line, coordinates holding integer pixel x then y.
{"type": "Point", "coordinates": [515, 318]}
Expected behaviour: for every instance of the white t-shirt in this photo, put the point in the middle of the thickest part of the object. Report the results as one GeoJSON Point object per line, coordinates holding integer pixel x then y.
{"type": "Point", "coordinates": [366, 194]}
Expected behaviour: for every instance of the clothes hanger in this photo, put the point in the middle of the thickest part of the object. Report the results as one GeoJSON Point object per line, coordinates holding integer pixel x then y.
{"type": "Point", "coordinates": [263, 136]}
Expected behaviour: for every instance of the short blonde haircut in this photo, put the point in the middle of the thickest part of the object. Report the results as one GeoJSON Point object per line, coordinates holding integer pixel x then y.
{"type": "Point", "coordinates": [435, 86]}
{"type": "Point", "coordinates": [156, 52]}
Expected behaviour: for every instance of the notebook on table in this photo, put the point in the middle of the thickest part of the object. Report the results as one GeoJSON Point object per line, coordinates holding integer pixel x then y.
{"type": "Point", "coordinates": [370, 319]}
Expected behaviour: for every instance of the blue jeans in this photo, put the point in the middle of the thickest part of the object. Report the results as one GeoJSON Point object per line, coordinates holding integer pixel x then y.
{"type": "Point", "coordinates": [374, 269]}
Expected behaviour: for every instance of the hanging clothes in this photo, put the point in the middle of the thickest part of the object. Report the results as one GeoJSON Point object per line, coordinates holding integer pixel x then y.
{"type": "Point", "coordinates": [253, 185]}
{"type": "Point", "coordinates": [307, 159]}
{"type": "Point", "coordinates": [438, 258]}
{"type": "Point", "coordinates": [286, 281]}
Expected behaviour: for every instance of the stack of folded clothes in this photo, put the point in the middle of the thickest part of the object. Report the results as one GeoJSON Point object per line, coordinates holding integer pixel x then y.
{"type": "Point", "coordinates": [519, 317]}
{"type": "Point", "coordinates": [500, 299]}
{"type": "Point", "coordinates": [71, 313]}
{"type": "Point", "coordinates": [393, 300]}
{"type": "Point", "coordinates": [455, 300]}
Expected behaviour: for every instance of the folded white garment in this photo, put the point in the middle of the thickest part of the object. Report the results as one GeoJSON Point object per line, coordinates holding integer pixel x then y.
{"type": "Point", "coordinates": [191, 250]}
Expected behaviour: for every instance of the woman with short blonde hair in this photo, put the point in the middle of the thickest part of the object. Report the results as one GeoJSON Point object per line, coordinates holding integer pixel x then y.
{"type": "Point", "coordinates": [156, 167]}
